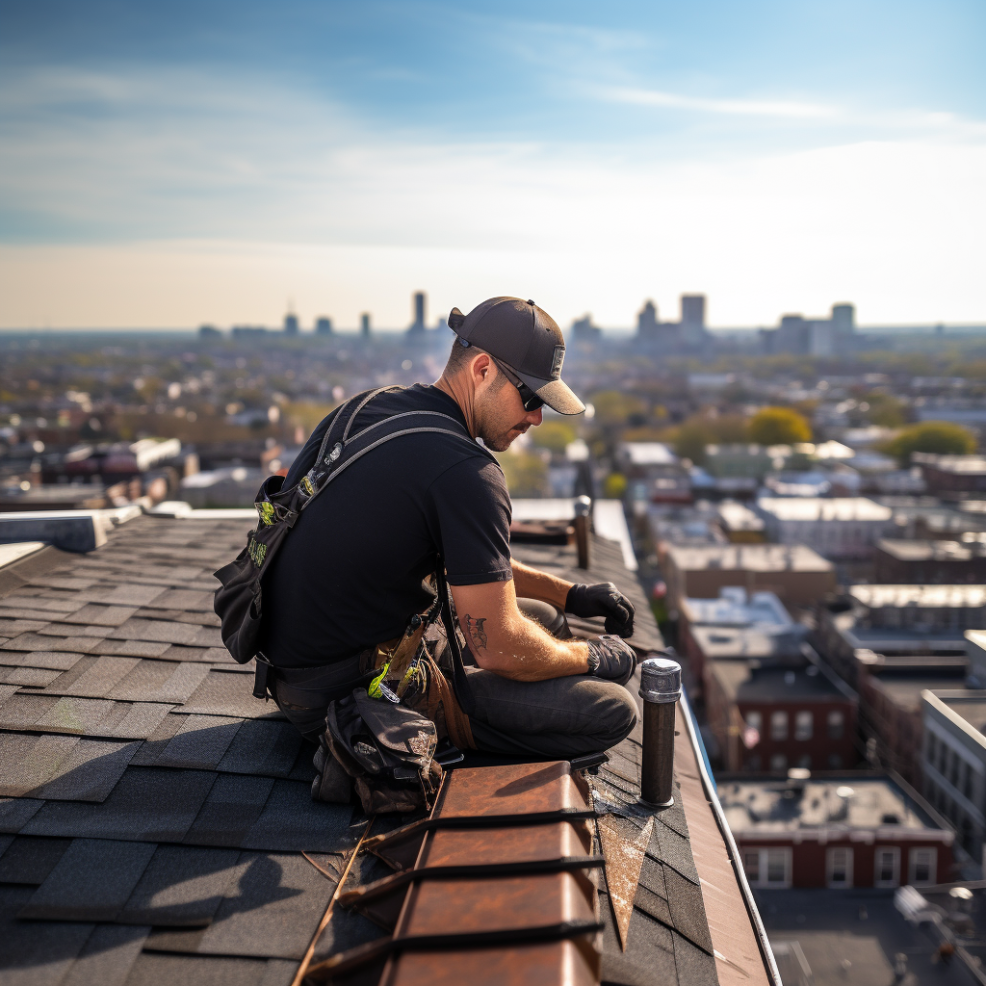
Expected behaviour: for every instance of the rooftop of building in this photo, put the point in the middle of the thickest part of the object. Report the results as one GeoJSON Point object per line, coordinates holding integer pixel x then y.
{"type": "Point", "coordinates": [964, 464]}
{"type": "Point", "coordinates": [885, 665]}
{"type": "Point", "coordinates": [807, 508]}
{"type": "Point", "coordinates": [907, 550]}
{"type": "Point", "coordinates": [929, 596]}
{"type": "Point", "coordinates": [748, 557]}
{"type": "Point", "coordinates": [648, 454]}
{"type": "Point", "coordinates": [738, 608]}
{"type": "Point", "coordinates": [967, 704]}
{"type": "Point", "coordinates": [723, 643]}
{"type": "Point", "coordinates": [155, 818]}
{"type": "Point", "coordinates": [738, 517]}
{"type": "Point", "coordinates": [750, 681]}
{"type": "Point", "coordinates": [900, 640]}
{"type": "Point", "coordinates": [831, 801]}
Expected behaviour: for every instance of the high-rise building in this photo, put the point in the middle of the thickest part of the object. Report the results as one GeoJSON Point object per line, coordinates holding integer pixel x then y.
{"type": "Point", "coordinates": [418, 325]}
{"type": "Point", "coordinates": [291, 324]}
{"type": "Point", "coordinates": [647, 324]}
{"type": "Point", "coordinates": [364, 324]}
{"type": "Point", "coordinates": [323, 326]}
{"type": "Point", "coordinates": [693, 311]}
{"type": "Point", "coordinates": [843, 319]}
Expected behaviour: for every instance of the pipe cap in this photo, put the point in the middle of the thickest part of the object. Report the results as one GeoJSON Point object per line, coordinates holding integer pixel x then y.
{"type": "Point", "coordinates": [660, 680]}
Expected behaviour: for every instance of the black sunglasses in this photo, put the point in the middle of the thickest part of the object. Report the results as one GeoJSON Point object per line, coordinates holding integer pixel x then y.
{"type": "Point", "coordinates": [528, 398]}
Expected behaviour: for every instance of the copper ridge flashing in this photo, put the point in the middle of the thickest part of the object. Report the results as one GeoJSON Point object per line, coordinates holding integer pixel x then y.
{"type": "Point", "coordinates": [497, 889]}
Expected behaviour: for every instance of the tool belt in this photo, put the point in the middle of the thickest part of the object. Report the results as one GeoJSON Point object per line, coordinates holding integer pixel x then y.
{"type": "Point", "coordinates": [382, 739]}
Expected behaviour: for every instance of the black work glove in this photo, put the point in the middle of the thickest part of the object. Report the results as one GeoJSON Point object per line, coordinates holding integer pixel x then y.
{"type": "Point", "coordinates": [614, 659]}
{"type": "Point", "coordinates": [602, 599]}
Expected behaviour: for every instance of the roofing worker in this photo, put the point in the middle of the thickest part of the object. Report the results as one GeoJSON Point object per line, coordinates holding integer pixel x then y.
{"type": "Point", "coordinates": [355, 566]}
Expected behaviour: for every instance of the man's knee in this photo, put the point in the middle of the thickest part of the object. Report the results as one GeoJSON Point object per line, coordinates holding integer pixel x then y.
{"type": "Point", "coordinates": [616, 714]}
{"type": "Point", "coordinates": [550, 617]}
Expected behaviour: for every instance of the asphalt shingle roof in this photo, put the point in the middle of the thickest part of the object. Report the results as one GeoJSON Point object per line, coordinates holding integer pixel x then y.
{"type": "Point", "coordinates": [155, 819]}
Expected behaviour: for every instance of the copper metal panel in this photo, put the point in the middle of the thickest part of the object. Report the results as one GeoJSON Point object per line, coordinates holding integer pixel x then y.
{"type": "Point", "coordinates": [498, 846]}
{"type": "Point", "coordinates": [497, 904]}
{"type": "Point", "coordinates": [623, 846]}
{"type": "Point", "coordinates": [511, 790]}
{"type": "Point", "coordinates": [564, 963]}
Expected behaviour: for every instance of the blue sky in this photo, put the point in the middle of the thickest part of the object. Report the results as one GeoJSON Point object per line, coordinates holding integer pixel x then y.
{"type": "Point", "coordinates": [166, 164]}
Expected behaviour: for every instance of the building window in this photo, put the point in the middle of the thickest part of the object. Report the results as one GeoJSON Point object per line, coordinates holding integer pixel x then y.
{"type": "Point", "coordinates": [751, 865]}
{"type": "Point", "coordinates": [923, 867]}
{"type": "Point", "coordinates": [836, 724]}
{"type": "Point", "coordinates": [835, 761]}
{"type": "Point", "coordinates": [778, 867]}
{"type": "Point", "coordinates": [803, 725]}
{"type": "Point", "coordinates": [838, 867]}
{"type": "Point", "coordinates": [778, 762]}
{"type": "Point", "coordinates": [754, 720]}
{"type": "Point", "coordinates": [805, 761]}
{"type": "Point", "coordinates": [778, 725]}
{"type": "Point", "coordinates": [768, 867]}
{"type": "Point", "coordinates": [886, 866]}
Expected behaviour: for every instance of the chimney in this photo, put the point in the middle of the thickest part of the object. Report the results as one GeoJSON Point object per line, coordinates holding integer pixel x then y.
{"type": "Point", "coordinates": [582, 507]}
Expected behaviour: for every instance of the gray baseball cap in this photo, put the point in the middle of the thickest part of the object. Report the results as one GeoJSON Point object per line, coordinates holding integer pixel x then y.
{"type": "Point", "coordinates": [525, 338]}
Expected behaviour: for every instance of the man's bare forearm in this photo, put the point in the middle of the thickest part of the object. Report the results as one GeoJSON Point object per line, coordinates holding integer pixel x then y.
{"type": "Point", "coordinates": [522, 650]}
{"type": "Point", "coordinates": [531, 583]}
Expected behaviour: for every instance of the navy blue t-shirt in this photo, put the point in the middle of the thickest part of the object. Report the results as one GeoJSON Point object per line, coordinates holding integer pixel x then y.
{"type": "Point", "coordinates": [350, 573]}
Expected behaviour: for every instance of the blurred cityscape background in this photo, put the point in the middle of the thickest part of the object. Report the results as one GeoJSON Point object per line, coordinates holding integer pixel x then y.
{"type": "Point", "coordinates": [761, 229]}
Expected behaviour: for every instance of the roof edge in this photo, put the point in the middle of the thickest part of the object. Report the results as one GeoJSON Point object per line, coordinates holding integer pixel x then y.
{"type": "Point", "coordinates": [709, 789]}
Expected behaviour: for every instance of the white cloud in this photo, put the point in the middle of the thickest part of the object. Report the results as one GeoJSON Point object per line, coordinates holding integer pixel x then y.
{"type": "Point", "coordinates": [730, 107]}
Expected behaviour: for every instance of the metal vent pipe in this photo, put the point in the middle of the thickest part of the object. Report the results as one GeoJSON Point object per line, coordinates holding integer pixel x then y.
{"type": "Point", "coordinates": [660, 688]}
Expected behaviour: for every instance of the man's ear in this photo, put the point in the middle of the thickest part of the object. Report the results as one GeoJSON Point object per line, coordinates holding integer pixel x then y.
{"type": "Point", "coordinates": [481, 368]}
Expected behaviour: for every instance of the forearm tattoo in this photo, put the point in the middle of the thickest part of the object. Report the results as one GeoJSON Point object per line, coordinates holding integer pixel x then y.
{"type": "Point", "coordinates": [474, 627]}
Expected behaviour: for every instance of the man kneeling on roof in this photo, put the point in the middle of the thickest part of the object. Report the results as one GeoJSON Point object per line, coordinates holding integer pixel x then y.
{"type": "Point", "coordinates": [357, 564]}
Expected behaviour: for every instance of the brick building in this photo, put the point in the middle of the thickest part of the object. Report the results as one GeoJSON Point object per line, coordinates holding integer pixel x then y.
{"type": "Point", "coordinates": [936, 562]}
{"type": "Point", "coordinates": [952, 477]}
{"type": "Point", "coordinates": [798, 575]}
{"type": "Point", "coordinates": [890, 706]}
{"type": "Point", "coordinates": [771, 718]}
{"type": "Point", "coordinates": [837, 831]}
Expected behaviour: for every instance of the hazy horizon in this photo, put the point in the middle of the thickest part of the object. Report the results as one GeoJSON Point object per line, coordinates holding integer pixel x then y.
{"type": "Point", "coordinates": [218, 162]}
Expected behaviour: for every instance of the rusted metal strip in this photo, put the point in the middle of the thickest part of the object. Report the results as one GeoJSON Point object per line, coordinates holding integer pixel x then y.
{"type": "Point", "coordinates": [327, 916]}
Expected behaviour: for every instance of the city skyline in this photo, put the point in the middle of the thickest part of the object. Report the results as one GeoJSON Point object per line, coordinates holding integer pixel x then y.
{"type": "Point", "coordinates": [180, 165]}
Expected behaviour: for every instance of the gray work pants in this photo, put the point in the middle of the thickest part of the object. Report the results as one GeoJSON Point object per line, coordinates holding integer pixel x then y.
{"type": "Point", "coordinates": [556, 719]}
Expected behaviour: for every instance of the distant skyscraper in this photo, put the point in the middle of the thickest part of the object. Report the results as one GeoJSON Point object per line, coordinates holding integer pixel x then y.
{"type": "Point", "coordinates": [693, 311]}
{"type": "Point", "coordinates": [647, 321]}
{"type": "Point", "coordinates": [844, 319]}
{"type": "Point", "coordinates": [323, 326]}
{"type": "Point", "coordinates": [364, 324]}
{"type": "Point", "coordinates": [418, 325]}
{"type": "Point", "coordinates": [291, 324]}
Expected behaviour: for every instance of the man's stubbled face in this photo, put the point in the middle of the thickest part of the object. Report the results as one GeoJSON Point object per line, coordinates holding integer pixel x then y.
{"type": "Point", "coordinates": [500, 416]}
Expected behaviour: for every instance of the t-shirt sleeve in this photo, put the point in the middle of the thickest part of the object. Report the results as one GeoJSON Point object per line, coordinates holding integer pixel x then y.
{"type": "Point", "coordinates": [473, 516]}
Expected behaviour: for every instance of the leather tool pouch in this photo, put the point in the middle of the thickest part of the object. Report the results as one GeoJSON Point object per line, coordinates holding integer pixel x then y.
{"type": "Point", "coordinates": [387, 749]}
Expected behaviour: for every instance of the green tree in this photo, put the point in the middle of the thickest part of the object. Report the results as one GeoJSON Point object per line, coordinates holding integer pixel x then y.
{"type": "Point", "coordinates": [614, 408]}
{"type": "Point", "coordinates": [615, 486]}
{"type": "Point", "coordinates": [555, 436]}
{"type": "Point", "coordinates": [778, 426]}
{"type": "Point", "coordinates": [939, 437]}
{"type": "Point", "coordinates": [691, 439]}
{"type": "Point", "coordinates": [526, 474]}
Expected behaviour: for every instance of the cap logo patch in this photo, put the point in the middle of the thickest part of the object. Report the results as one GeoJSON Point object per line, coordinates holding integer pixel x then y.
{"type": "Point", "coordinates": [556, 363]}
